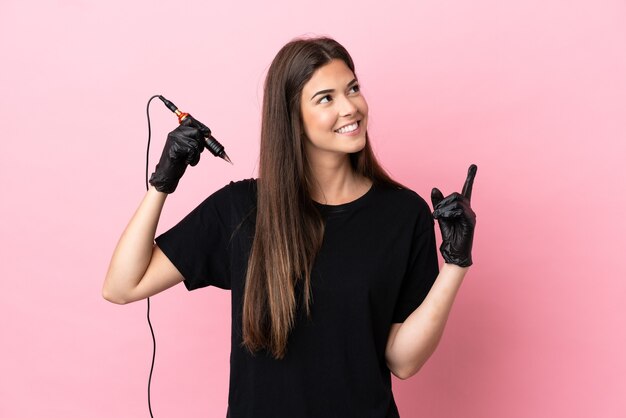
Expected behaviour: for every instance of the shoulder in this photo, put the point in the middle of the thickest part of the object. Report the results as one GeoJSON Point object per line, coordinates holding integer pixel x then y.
{"type": "Point", "coordinates": [242, 193]}
{"type": "Point", "coordinates": [235, 190]}
{"type": "Point", "coordinates": [404, 197]}
{"type": "Point", "coordinates": [404, 204]}
{"type": "Point", "coordinates": [243, 187]}
{"type": "Point", "coordinates": [235, 195]}
{"type": "Point", "coordinates": [238, 198]}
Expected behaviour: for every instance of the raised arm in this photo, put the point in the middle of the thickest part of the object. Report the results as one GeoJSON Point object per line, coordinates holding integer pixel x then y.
{"type": "Point", "coordinates": [138, 268]}
{"type": "Point", "coordinates": [411, 343]}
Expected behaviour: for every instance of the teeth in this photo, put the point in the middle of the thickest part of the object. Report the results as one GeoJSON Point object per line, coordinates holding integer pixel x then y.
{"type": "Point", "coordinates": [348, 128]}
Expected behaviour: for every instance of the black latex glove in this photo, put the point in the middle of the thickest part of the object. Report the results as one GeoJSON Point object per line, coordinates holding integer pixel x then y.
{"type": "Point", "coordinates": [182, 147]}
{"type": "Point", "coordinates": [456, 221]}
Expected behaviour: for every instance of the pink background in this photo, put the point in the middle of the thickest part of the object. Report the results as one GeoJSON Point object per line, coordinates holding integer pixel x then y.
{"type": "Point", "coordinates": [533, 92]}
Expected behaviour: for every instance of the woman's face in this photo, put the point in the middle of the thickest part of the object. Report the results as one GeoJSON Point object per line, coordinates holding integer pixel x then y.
{"type": "Point", "coordinates": [334, 112]}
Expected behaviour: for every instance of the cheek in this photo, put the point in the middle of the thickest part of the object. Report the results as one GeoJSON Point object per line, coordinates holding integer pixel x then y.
{"type": "Point", "coordinates": [328, 121]}
{"type": "Point", "coordinates": [320, 121]}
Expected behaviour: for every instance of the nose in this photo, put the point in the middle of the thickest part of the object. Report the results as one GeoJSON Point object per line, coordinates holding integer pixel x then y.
{"type": "Point", "coordinates": [346, 107]}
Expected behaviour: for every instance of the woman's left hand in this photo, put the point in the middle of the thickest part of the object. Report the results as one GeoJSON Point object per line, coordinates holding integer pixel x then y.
{"type": "Point", "coordinates": [456, 221]}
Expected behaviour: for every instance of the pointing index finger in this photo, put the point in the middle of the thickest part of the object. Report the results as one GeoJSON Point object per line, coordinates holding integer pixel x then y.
{"type": "Point", "coordinates": [469, 182]}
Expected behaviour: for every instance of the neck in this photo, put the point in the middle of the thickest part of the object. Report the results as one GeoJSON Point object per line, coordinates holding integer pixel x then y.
{"type": "Point", "coordinates": [335, 181]}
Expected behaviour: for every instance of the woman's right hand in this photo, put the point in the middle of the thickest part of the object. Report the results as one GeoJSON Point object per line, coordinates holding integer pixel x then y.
{"type": "Point", "coordinates": [182, 147]}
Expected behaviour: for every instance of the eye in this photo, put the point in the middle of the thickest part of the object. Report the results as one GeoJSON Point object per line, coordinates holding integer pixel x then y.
{"type": "Point", "coordinates": [356, 88]}
{"type": "Point", "coordinates": [322, 100]}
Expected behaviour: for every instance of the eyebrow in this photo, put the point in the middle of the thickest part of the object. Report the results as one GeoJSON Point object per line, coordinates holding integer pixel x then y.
{"type": "Point", "coordinates": [354, 81]}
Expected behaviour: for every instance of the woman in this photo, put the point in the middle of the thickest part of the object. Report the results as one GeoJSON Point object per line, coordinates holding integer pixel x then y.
{"type": "Point", "coordinates": [331, 264]}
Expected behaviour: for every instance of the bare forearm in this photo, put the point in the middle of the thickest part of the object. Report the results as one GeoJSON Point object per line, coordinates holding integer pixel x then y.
{"type": "Point", "coordinates": [134, 249]}
{"type": "Point", "coordinates": [420, 333]}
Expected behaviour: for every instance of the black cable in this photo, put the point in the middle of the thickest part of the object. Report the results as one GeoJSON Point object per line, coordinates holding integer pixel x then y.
{"type": "Point", "coordinates": [153, 355]}
{"type": "Point", "coordinates": [218, 150]}
{"type": "Point", "coordinates": [148, 299]}
{"type": "Point", "coordinates": [149, 133]}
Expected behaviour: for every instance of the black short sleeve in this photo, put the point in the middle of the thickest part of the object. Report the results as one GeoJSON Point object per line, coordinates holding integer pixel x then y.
{"type": "Point", "coordinates": [423, 267]}
{"type": "Point", "coordinates": [199, 244]}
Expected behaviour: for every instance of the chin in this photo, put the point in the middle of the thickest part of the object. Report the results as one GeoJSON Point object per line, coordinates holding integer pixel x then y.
{"type": "Point", "coordinates": [358, 147]}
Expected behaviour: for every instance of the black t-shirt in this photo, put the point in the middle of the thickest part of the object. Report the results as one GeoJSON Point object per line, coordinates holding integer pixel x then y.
{"type": "Point", "coordinates": [377, 263]}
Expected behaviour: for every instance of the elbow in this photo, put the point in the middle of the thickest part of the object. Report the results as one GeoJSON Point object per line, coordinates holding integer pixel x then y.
{"type": "Point", "coordinates": [412, 369]}
{"type": "Point", "coordinates": [112, 297]}
{"type": "Point", "coordinates": [402, 374]}
{"type": "Point", "coordinates": [406, 371]}
{"type": "Point", "coordinates": [402, 367]}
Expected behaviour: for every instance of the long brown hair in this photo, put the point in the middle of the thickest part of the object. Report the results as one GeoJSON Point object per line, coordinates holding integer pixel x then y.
{"type": "Point", "coordinates": [289, 227]}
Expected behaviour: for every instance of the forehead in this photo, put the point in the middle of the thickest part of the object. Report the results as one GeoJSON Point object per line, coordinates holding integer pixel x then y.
{"type": "Point", "coordinates": [333, 75]}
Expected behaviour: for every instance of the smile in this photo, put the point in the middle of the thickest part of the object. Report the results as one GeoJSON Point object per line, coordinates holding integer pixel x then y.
{"type": "Point", "coordinates": [348, 128]}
